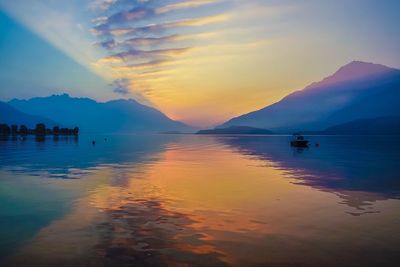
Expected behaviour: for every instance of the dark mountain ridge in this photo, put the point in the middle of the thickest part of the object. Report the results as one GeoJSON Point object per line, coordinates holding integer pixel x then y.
{"type": "Point", "coordinates": [357, 90]}
{"type": "Point", "coordinates": [116, 116]}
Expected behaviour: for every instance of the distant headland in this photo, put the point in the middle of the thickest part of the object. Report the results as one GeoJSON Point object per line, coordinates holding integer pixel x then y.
{"type": "Point", "coordinates": [236, 130]}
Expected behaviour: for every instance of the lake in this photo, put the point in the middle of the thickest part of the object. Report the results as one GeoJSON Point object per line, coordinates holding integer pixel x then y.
{"type": "Point", "coordinates": [189, 200]}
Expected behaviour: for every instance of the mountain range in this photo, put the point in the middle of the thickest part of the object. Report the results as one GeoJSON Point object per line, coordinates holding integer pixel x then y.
{"type": "Point", "coordinates": [116, 116]}
{"type": "Point", "coordinates": [355, 97]}
{"type": "Point", "coordinates": [10, 115]}
{"type": "Point", "coordinates": [358, 90]}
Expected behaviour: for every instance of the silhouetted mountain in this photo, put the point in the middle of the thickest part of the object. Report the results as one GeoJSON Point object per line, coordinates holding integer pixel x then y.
{"type": "Point", "coordinates": [381, 125]}
{"type": "Point", "coordinates": [236, 130]}
{"type": "Point", "coordinates": [10, 116]}
{"type": "Point", "coordinates": [117, 116]}
{"type": "Point", "coordinates": [357, 90]}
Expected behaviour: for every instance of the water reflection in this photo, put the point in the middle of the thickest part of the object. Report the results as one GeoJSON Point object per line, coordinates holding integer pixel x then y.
{"type": "Point", "coordinates": [144, 233]}
{"type": "Point", "coordinates": [198, 201]}
{"type": "Point", "coordinates": [360, 169]}
{"type": "Point", "coordinates": [29, 200]}
{"type": "Point", "coordinates": [69, 157]}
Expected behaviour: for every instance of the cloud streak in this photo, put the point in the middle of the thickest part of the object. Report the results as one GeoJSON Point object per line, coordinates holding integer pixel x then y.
{"type": "Point", "coordinates": [141, 54]}
{"type": "Point", "coordinates": [144, 37]}
{"type": "Point", "coordinates": [107, 29]}
{"type": "Point", "coordinates": [183, 5]}
{"type": "Point", "coordinates": [121, 86]}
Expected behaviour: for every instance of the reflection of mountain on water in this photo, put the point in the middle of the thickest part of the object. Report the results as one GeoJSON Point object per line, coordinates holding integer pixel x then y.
{"type": "Point", "coordinates": [357, 168]}
{"type": "Point", "coordinates": [70, 157]}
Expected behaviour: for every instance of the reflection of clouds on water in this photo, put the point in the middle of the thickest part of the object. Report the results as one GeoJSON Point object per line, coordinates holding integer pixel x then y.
{"type": "Point", "coordinates": [143, 233]}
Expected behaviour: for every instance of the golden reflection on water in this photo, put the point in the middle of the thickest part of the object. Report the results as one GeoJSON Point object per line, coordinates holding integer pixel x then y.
{"type": "Point", "coordinates": [204, 204]}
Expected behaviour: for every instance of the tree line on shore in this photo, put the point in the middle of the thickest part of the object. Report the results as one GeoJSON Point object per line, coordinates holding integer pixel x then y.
{"type": "Point", "coordinates": [40, 130]}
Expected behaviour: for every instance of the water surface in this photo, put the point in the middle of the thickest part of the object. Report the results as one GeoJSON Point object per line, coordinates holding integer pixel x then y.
{"type": "Point", "coordinates": [187, 200]}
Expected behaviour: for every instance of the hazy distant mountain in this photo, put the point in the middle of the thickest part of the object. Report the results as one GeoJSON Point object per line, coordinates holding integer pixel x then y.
{"type": "Point", "coordinates": [357, 90]}
{"type": "Point", "coordinates": [380, 125]}
{"type": "Point", "coordinates": [117, 116]}
{"type": "Point", "coordinates": [10, 116]}
{"type": "Point", "coordinates": [236, 130]}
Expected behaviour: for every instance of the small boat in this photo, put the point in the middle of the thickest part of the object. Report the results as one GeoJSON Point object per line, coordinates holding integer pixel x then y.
{"type": "Point", "coordinates": [299, 141]}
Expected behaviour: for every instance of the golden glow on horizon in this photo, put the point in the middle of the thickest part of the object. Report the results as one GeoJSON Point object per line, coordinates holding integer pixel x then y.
{"type": "Point", "coordinates": [232, 66]}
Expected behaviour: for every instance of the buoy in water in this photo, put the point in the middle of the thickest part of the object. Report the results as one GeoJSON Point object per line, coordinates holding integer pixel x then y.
{"type": "Point", "coordinates": [93, 142]}
{"type": "Point", "coordinates": [317, 144]}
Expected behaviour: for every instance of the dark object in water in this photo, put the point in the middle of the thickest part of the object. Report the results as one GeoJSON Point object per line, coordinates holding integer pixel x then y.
{"type": "Point", "coordinates": [299, 141]}
{"type": "Point", "coordinates": [93, 142]}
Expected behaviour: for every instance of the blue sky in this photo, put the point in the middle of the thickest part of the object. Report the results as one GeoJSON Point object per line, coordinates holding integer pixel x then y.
{"type": "Point", "coordinates": [30, 66]}
{"type": "Point", "coordinates": [200, 61]}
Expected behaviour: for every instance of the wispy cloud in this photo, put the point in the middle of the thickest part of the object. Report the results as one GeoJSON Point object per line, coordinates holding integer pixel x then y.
{"type": "Point", "coordinates": [108, 29]}
{"type": "Point", "coordinates": [134, 14]}
{"type": "Point", "coordinates": [141, 9]}
{"type": "Point", "coordinates": [101, 4]}
{"type": "Point", "coordinates": [126, 56]}
{"type": "Point", "coordinates": [141, 37]}
{"type": "Point", "coordinates": [121, 86]}
{"type": "Point", "coordinates": [183, 5]}
{"type": "Point", "coordinates": [151, 41]}
{"type": "Point", "coordinates": [137, 42]}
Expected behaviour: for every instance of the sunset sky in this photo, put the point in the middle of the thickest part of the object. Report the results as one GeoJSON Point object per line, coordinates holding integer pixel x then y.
{"type": "Point", "coordinates": [198, 61]}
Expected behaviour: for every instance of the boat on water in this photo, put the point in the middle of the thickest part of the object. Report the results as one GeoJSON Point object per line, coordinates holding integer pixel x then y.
{"type": "Point", "coordinates": [299, 141]}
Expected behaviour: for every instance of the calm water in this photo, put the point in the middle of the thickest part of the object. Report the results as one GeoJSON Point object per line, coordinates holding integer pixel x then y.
{"type": "Point", "coordinates": [182, 200]}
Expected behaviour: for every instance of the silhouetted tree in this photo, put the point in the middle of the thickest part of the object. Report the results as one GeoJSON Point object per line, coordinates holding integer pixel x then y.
{"type": "Point", "coordinates": [76, 131]}
{"type": "Point", "coordinates": [56, 130]}
{"type": "Point", "coordinates": [4, 129]}
{"type": "Point", "coordinates": [40, 129]}
{"type": "Point", "coordinates": [23, 130]}
{"type": "Point", "coordinates": [14, 129]}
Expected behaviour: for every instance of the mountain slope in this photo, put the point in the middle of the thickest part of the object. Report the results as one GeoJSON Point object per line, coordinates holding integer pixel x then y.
{"type": "Point", "coordinates": [10, 116]}
{"type": "Point", "coordinates": [357, 90]}
{"type": "Point", "coordinates": [117, 116]}
{"type": "Point", "coordinates": [380, 125]}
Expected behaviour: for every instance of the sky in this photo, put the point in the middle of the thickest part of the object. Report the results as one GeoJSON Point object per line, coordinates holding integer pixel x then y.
{"type": "Point", "coordinates": [198, 61]}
